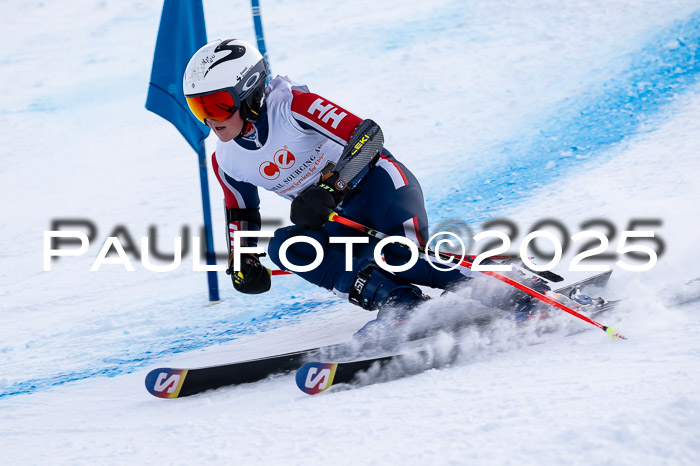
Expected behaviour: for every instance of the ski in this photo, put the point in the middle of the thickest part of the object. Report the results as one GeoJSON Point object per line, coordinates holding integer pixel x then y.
{"type": "Point", "coordinates": [546, 274]}
{"type": "Point", "coordinates": [315, 377]}
{"type": "Point", "coordinates": [168, 383]}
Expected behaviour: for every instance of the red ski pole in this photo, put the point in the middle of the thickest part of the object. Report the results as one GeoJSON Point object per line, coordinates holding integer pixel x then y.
{"type": "Point", "coordinates": [334, 217]}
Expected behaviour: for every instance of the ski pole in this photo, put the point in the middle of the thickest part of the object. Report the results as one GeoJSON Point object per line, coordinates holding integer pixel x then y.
{"type": "Point", "coordinates": [334, 217]}
{"type": "Point", "coordinates": [548, 275]}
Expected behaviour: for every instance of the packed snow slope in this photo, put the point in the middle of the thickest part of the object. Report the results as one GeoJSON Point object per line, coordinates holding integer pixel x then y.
{"type": "Point", "coordinates": [528, 110]}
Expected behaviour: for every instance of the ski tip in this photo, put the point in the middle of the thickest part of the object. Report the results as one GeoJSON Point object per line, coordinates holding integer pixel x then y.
{"type": "Point", "coordinates": [165, 383]}
{"type": "Point", "coordinates": [315, 377]}
{"type": "Point", "coordinates": [551, 276]}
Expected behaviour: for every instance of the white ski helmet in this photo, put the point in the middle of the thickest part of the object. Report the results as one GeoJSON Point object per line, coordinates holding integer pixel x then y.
{"type": "Point", "coordinates": [223, 76]}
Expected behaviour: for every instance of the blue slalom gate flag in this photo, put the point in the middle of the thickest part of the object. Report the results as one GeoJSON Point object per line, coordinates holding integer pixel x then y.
{"type": "Point", "coordinates": [181, 33]}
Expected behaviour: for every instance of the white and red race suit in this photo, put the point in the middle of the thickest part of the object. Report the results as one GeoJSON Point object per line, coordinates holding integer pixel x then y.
{"type": "Point", "coordinates": [298, 135]}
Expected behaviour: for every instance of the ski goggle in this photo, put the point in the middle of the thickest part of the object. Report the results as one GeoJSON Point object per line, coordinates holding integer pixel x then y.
{"type": "Point", "coordinates": [217, 105]}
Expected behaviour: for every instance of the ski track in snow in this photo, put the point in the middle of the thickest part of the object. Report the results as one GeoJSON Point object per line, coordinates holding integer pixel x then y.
{"type": "Point", "coordinates": [545, 123]}
{"type": "Point", "coordinates": [583, 129]}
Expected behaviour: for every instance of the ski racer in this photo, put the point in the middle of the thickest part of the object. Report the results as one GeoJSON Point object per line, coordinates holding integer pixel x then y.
{"type": "Point", "coordinates": [286, 139]}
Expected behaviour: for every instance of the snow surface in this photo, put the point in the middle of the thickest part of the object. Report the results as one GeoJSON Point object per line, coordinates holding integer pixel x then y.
{"type": "Point", "coordinates": [568, 110]}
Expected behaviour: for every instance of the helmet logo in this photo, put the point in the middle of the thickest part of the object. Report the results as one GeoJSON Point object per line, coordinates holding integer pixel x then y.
{"type": "Point", "coordinates": [235, 51]}
{"type": "Point", "coordinates": [250, 82]}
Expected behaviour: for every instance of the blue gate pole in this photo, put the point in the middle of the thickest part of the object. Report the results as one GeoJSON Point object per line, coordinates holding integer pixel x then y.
{"type": "Point", "coordinates": [206, 208]}
{"type": "Point", "coordinates": [259, 36]}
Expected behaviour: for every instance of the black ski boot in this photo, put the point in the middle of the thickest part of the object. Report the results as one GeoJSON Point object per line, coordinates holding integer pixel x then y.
{"type": "Point", "coordinates": [395, 299]}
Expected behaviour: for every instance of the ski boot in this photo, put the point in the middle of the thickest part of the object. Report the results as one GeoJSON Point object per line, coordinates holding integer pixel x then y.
{"type": "Point", "coordinates": [523, 306]}
{"type": "Point", "coordinates": [377, 289]}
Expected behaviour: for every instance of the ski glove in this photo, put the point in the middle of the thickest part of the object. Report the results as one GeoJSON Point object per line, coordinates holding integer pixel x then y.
{"type": "Point", "coordinates": [311, 208]}
{"type": "Point", "coordinates": [253, 278]}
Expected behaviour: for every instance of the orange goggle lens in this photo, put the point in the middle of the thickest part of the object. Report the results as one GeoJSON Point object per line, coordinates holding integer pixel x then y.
{"type": "Point", "coordinates": [218, 106]}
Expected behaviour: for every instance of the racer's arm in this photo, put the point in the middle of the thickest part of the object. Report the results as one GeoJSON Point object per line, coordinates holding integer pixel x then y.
{"type": "Point", "coordinates": [242, 206]}
{"type": "Point", "coordinates": [362, 141]}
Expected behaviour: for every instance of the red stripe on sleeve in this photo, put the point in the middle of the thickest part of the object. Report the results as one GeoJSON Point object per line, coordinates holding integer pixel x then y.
{"type": "Point", "coordinates": [326, 116]}
{"type": "Point", "coordinates": [403, 175]}
{"type": "Point", "coordinates": [229, 198]}
{"type": "Point", "coordinates": [421, 241]}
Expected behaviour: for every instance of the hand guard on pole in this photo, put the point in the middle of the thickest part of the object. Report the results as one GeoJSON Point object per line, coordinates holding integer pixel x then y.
{"type": "Point", "coordinates": [363, 146]}
{"type": "Point", "coordinates": [311, 208]}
